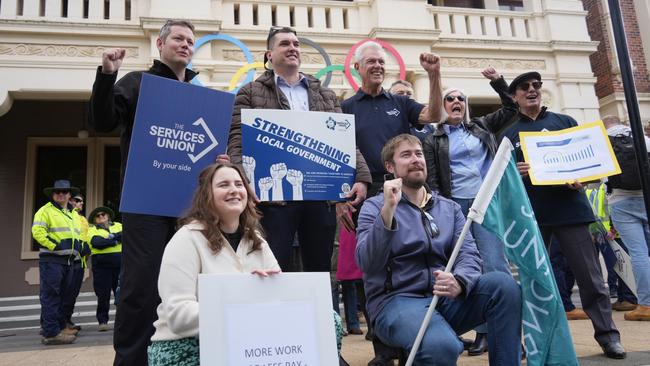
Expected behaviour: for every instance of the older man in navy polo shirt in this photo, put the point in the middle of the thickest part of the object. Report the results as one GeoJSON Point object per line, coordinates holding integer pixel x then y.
{"type": "Point", "coordinates": [380, 116]}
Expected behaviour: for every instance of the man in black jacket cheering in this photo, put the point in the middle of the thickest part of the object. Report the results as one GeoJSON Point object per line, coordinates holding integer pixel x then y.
{"type": "Point", "coordinates": [144, 236]}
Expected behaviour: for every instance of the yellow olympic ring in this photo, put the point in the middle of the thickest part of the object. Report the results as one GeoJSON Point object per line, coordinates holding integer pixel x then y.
{"type": "Point", "coordinates": [242, 70]}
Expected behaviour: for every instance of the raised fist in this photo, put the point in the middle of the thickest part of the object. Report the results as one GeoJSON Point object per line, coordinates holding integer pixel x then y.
{"type": "Point", "coordinates": [278, 171]}
{"type": "Point", "coordinates": [294, 177]}
{"type": "Point", "coordinates": [112, 60]}
{"type": "Point", "coordinates": [265, 184]}
{"type": "Point", "coordinates": [490, 73]}
{"type": "Point", "coordinates": [248, 162]}
{"type": "Point", "coordinates": [430, 62]}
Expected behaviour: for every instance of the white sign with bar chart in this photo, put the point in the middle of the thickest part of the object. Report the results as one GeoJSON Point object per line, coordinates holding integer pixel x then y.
{"type": "Point", "coordinates": [581, 153]}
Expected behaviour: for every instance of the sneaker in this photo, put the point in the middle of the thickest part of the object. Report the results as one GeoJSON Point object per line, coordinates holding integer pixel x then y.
{"type": "Point", "coordinates": [576, 314]}
{"type": "Point", "coordinates": [60, 338]}
{"type": "Point", "coordinates": [623, 306]}
{"type": "Point", "coordinates": [103, 327]}
{"type": "Point", "coordinates": [640, 313]}
{"type": "Point", "coordinates": [70, 331]}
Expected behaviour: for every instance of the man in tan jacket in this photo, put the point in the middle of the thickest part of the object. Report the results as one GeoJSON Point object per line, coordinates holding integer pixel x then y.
{"type": "Point", "coordinates": [283, 86]}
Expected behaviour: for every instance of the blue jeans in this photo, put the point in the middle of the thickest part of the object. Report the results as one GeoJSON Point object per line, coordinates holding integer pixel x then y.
{"type": "Point", "coordinates": [489, 246]}
{"type": "Point", "coordinates": [495, 299]}
{"type": "Point", "coordinates": [56, 285]}
{"type": "Point", "coordinates": [629, 218]}
{"type": "Point", "coordinates": [351, 302]}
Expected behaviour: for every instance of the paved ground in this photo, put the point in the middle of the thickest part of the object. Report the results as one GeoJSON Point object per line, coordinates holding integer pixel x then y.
{"type": "Point", "coordinates": [94, 348]}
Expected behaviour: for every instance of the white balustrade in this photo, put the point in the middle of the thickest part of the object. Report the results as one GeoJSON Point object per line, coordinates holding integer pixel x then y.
{"type": "Point", "coordinates": [481, 23]}
{"type": "Point", "coordinates": [101, 11]}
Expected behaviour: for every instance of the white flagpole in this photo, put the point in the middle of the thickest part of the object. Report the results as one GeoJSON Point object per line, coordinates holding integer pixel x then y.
{"type": "Point", "coordinates": [476, 214]}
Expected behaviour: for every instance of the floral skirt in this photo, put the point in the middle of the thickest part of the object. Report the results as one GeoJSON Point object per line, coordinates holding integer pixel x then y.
{"type": "Point", "coordinates": [185, 351]}
{"type": "Point", "coordinates": [181, 352]}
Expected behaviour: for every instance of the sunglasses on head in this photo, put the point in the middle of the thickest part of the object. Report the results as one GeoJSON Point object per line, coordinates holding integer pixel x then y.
{"type": "Point", "coordinates": [275, 30]}
{"type": "Point", "coordinates": [525, 86]}
{"type": "Point", "coordinates": [451, 98]}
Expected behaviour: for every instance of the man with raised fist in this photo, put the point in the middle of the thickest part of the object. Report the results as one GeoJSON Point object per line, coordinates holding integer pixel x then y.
{"type": "Point", "coordinates": [144, 236]}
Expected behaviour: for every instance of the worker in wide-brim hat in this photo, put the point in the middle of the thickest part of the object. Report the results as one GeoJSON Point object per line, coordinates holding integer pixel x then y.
{"type": "Point", "coordinates": [105, 237]}
{"type": "Point", "coordinates": [57, 229]}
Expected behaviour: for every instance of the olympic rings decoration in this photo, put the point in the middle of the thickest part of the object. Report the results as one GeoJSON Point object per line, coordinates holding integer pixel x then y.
{"type": "Point", "coordinates": [251, 65]}
{"type": "Point", "coordinates": [328, 70]}
{"type": "Point", "coordinates": [248, 67]}
{"type": "Point", "coordinates": [224, 37]}
{"type": "Point", "coordinates": [325, 56]}
{"type": "Point", "coordinates": [391, 49]}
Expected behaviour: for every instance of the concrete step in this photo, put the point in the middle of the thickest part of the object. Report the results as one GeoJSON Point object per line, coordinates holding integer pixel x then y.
{"type": "Point", "coordinates": [24, 312]}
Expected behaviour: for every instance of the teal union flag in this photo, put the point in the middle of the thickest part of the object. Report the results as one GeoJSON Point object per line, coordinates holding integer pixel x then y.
{"type": "Point", "coordinates": [502, 206]}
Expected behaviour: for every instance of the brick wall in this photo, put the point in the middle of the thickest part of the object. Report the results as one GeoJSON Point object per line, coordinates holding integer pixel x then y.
{"type": "Point", "coordinates": [601, 60]}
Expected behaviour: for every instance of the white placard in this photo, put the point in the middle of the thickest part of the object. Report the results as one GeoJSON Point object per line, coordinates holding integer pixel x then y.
{"type": "Point", "coordinates": [282, 320]}
{"type": "Point", "coordinates": [581, 153]}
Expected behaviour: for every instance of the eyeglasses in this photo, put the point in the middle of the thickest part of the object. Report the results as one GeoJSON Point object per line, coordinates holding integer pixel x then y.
{"type": "Point", "coordinates": [275, 30]}
{"type": "Point", "coordinates": [451, 98]}
{"type": "Point", "coordinates": [60, 191]}
{"type": "Point", "coordinates": [434, 231]}
{"type": "Point", "coordinates": [525, 86]}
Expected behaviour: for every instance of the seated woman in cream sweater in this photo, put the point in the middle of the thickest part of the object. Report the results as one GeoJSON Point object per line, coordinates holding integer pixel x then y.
{"type": "Point", "coordinates": [220, 234]}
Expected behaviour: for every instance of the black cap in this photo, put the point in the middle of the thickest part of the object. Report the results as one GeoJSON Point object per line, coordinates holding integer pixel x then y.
{"type": "Point", "coordinates": [521, 78]}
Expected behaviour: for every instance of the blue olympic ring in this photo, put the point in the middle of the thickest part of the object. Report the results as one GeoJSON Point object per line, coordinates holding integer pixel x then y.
{"type": "Point", "coordinates": [224, 37]}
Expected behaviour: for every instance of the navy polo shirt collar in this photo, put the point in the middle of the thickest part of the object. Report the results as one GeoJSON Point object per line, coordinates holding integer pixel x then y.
{"type": "Point", "coordinates": [361, 94]}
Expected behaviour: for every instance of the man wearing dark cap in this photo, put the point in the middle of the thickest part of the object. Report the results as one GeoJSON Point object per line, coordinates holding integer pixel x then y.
{"type": "Point", "coordinates": [57, 229]}
{"type": "Point", "coordinates": [562, 211]}
{"type": "Point", "coordinates": [283, 86]}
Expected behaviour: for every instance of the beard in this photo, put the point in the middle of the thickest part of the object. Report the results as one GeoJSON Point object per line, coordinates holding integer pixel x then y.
{"type": "Point", "coordinates": [414, 181]}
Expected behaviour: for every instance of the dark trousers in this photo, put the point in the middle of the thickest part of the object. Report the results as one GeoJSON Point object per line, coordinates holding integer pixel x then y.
{"type": "Point", "coordinates": [106, 272]}
{"type": "Point", "coordinates": [144, 240]}
{"type": "Point", "coordinates": [315, 222]}
{"type": "Point", "coordinates": [582, 256]}
{"type": "Point", "coordinates": [55, 285]}
{"type": "Point", "coordinates": [563, 275]}
{"type": "Point", "coordinates": [70, 297]}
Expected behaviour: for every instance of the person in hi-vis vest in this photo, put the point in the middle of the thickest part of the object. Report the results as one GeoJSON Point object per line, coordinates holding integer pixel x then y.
{"type": "Point", "coordinates": [105, 237]}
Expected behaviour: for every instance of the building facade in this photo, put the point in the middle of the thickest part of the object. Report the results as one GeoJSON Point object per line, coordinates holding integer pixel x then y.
{"type": "Point", "coordinates": [604, 62]}
{"type": "Point", "coordinates": [50, 49]}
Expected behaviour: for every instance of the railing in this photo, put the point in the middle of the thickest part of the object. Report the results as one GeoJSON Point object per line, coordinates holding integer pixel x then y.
{"type": "Point", "coordinates": [327, 16]}
{"type": "Point", "coordinates": [481, 23]}
{"type": "Point", "coordinates": [72, 10]}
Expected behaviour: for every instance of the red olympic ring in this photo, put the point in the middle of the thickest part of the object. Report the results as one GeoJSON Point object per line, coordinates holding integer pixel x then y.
{"type": "Point", "coordinates": [385, 45]}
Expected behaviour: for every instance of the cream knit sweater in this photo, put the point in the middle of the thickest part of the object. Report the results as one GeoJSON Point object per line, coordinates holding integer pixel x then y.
{"type": "Point", "coordinates": [187, 255]}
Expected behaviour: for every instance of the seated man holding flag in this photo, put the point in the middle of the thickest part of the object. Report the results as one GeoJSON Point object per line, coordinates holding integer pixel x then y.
{"type": "Point", "coordinates": [405, 241]}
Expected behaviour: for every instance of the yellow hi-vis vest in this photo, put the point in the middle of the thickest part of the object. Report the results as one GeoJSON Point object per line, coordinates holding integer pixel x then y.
{"type": "Point", "coordinates": [58, 231]}
{"type": "Point", "coordinates": [596, 199]}
{"type": "Point", "coordinates": [98, 231]}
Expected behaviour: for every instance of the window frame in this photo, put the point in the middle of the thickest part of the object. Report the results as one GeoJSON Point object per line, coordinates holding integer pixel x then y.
{"type": "Point", "coordinates": [94, 178]}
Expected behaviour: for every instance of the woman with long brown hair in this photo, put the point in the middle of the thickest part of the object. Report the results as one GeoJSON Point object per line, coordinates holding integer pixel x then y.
{"type": "Point", "coordinates": [219, 234]}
